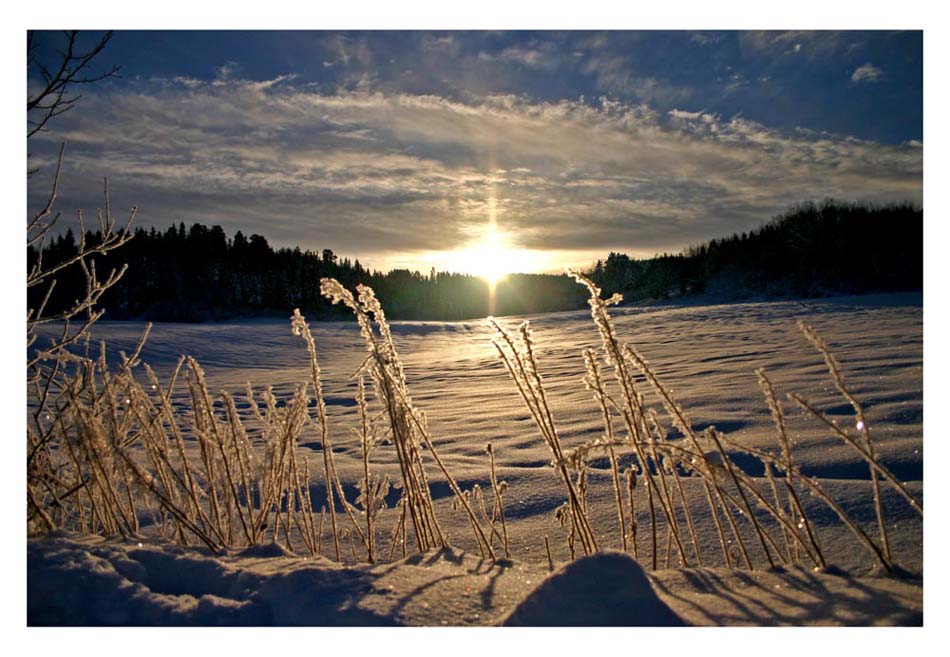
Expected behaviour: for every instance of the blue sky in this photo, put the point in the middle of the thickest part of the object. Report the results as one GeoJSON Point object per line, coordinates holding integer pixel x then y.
{"type": "Point", "coordinates": [395, 146]}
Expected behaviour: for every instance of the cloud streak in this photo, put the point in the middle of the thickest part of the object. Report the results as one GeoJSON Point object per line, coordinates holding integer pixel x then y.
{"type": "Point", "coordinates": [867, 73]}
{"type": "Point", "coordinates": [391, 176]}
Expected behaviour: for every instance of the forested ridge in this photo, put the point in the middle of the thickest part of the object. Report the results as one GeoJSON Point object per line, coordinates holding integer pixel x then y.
{"type": "Point", "coordinates": [199, 273]}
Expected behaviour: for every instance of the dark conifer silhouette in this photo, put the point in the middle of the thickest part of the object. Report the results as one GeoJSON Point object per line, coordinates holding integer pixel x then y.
{"type": "Point", "coordinates": [199, 273]}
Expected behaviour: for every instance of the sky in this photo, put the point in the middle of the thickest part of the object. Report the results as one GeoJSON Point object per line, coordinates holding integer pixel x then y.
{"type": "Point", "coordinates": [402, 148]}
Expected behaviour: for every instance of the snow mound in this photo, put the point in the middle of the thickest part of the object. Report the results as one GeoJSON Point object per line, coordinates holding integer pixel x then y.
{"type": "Point", "coordinates": [607, 588]}
{"type": "Point", "coordinates": [87, 583]}
{"type": "Point", "coordinates": [86, 580]}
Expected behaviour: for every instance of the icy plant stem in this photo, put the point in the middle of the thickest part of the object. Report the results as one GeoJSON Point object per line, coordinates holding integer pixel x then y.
{"type": "Point", "coordinates": [499, 501]}
{"type": "Point", "coordinates": [679, 419]}
{"type": "Point", "coordinates": [232, 484]}
{"type": "Point", "coordinates": [730, 468]}
{"type": "Point", "coordinates": [631, 485]}
{"type": "Point", "coordinates": [834, 369]}
{"type": "Point", "coordinates": [596, 384]}
{"type": "Point", "coordinates": [875, 465]}
{"type": "Point", "coordinates": [661, 437]}
{"type": "Point", "coordinates": [389, 382]}
{"type": "Point", "coordinates": [369, 493]}
{"type": "Point", "coordinates": [523, 371]}
{"type": "Point", "coordinates": [795, 506]}
{"type": "Point", "coordinates": [300, 327]}
{"type": "Point", "coordinates": [632, 412]}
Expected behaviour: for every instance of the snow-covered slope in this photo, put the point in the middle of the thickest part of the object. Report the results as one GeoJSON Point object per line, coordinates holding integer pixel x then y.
{"type": "Point", "coordinates": [706, 354]}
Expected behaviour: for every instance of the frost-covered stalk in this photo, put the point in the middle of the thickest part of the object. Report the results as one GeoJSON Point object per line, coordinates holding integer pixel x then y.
{"type": "Point", "coordinates": [186, 480]}
{"type": "Point", "coordinates": [522, 366]}
{"type": "Point", "coordinates": [399, 531]}
{"type": "Point", "coordinates": [373, 489]}
{"type": "Point", "coordinates": [632, 409]}
{"type": "Point", "coordinates": [299, 327]}
{"type": "Point", "coordinates": [126, 449]}
{"type": "Point", "coordinates": [239, 445]}
{"type": "Point", "coordinates": [797, 514]}
{"type": "Point", "coordinates": [323, 515]}
{"type": "Point", "coordinates": [678, 416]}
{"type": "Point", "coordinates": [746, 507]}
{"type": "Point", "coordinates": [499, 507]}
{"type": "Point", "coordinates": [407, 425]}
{"type": "Point", "coordinates": [282, 426]}
{"type": "Point", "coordinates": [595, 384]}
{"type": "Point", "coordinates": [834, 369]}
{"type": "Point", "coordinates": [631, 486]}
{"type": "Point", "coordinates": [813, 486]}
{"type": "Point", "coordinates": [661, 437]}
{"type": "Point", "coordinates": [914, 503]}
{"type": "Point", "coordinates": [230, 494]}
{"type": "Point", "coordinates": [386, 372]}
{"type": "Point", "coordinates": [201, 412]}
{"type": "Point", "coordinates": [51, 486]}
{"type": "Point", "coordinates": [547, 550]}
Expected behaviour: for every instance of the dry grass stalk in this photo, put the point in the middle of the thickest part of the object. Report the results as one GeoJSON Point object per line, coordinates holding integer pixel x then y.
{"type": "Point", "coordinates": [633, 414]}
{"type": "Point", "coordinates": [796, 514]}
{"type": "Point", "coordinates": [498, 507]}
{"type": "Point", "coordinates": [50, 367]}
{"type": "Point", "coordinates": [407, 426]}
{"type": "Point", "coordinates": [834, 369]}
{"type": "Point", "coordinates": [706, 469]}
{"type": "Point", "coordinates": [522, 366]}
{"type": "Point", "coordinates": [299, 327]}
{"type": "Point", "coordinates": [373, 489]}
{"type": "Point", "coordinates": [672, 463]}
{"type": "Point", "coordinates": [595, 384]}
{"type": "Point", "coordinates": [631, 486]}
{"type": "Point", "coordinates": [872, 461]}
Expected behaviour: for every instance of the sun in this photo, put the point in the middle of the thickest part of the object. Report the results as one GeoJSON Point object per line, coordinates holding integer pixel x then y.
{"type": "Point", "coordinates": [490, 258]}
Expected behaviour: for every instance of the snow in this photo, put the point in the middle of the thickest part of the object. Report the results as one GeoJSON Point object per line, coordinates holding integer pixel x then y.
{"type": "Point", "coordinates": [94, 581]}
{"type": "Point", "coordinates": [706, 354]}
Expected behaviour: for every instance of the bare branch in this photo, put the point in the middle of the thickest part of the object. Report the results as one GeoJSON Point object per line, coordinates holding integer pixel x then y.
{"type": "Point", "coordinates": [73, 68]}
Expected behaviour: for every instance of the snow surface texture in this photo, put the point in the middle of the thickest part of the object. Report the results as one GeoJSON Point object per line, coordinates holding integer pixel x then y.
{"type": "Point", "coordinates": [706, 354]}
{"type": "Point", "coordinates": [91, 581]}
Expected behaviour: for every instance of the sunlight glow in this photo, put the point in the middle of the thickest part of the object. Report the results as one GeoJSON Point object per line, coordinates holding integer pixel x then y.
{"type": "Point", "coordinates": [489, 253]}
{"type": "Point", "coordinates": [488, 258]}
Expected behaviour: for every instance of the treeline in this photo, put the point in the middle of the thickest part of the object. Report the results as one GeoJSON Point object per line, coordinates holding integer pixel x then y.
{"type": "Point", "coordinates": [812, 250]}
{"type": "Point", "coordinates": [200, 274]}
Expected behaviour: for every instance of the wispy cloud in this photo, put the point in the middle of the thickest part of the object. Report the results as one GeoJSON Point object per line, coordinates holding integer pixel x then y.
{"type": "Point", "coordinates": [867, 73]}
{"type": "Point", "coordinates": [616, 78]}
{"type": "Point", "coordinates": [387, 174]}
{"type": "Point", "coordinates": [806, 43]}
{"type": "Point", "coordinates": [707, 38]}
{"type": "Point", "coordinates": [544, 55]}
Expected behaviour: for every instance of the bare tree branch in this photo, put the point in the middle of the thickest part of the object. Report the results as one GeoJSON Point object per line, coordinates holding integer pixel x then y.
{"type": "Point", "coordinates": [54, 99]}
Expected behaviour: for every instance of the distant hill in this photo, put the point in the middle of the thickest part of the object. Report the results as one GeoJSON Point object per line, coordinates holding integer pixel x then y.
{"type": "Point", "coordinates": [811, 250]}
{"type": "Point", "coordinates": [200, 274]}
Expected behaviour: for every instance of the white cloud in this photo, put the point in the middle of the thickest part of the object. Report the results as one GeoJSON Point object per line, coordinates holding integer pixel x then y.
{"type": "Point", "coordinates": [867, 73]}
{"type": "Point", "coordinates": [809, 43]}
{"type": "Point", "coordinates": [446, 43]}
{"type": "Point", "coordinates": [536, 55]}
{"type": "Point", "coordinates": [369, 172]}
{"type": "Point", "coordinates": [615, 78]}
